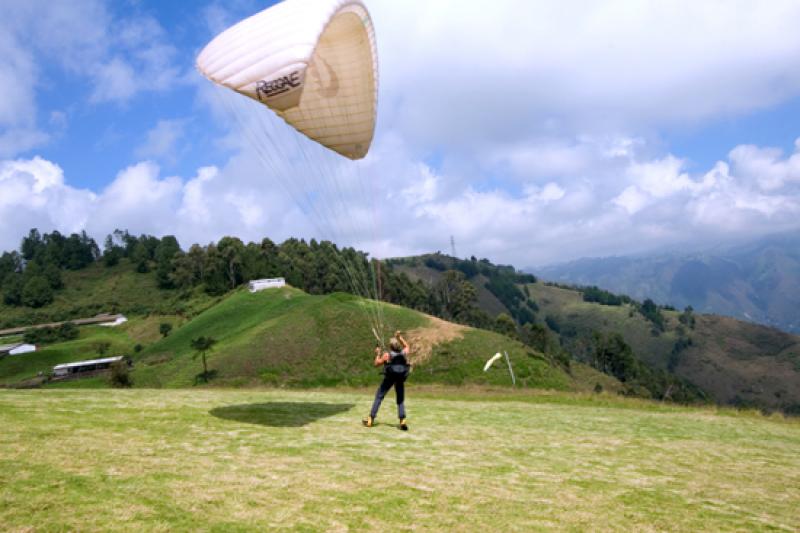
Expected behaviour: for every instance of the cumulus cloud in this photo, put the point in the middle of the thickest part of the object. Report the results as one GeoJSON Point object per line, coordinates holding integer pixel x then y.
{"type": "Point", "coordinates": [141, 59]}
{"type": "Point", "coordinates": [119, 58]}
{"type": "Point", "coordinates": [468, 73]}
{"type": "Point", "coordinates": [655, 202]}
{"type": "Point", "coordinates": [162, 141]}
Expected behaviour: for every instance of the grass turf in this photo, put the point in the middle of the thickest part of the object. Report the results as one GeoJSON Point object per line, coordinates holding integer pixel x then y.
{"type": "Point", "coordinates": [222, 460]}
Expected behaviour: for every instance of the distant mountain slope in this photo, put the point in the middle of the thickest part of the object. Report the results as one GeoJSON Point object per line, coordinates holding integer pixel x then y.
{"type": "Point", "coordinates": [735, 362]}
{"type": "Point", "coordinates": [759, 282]}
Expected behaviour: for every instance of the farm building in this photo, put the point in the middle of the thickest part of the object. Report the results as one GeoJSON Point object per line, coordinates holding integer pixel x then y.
{"type": "Point", "coordinates": [16, 348]}
{"type": "Point", "coordinates": [118, 319]}
{"type": "Point", "coordinates": [269, 283]}
{"type": "Point", "coordinates": [84, 367]}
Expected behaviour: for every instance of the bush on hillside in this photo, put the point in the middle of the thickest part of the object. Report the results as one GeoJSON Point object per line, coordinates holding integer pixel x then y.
{"type": "Point", "coordinates": [12, 289]}
{"type": "Point", "coordinates": [37, 292]}
{"type": "Point", "coordinates": [600, 296]}
{"type": "Point", "coordinates": [435, 264]}
{"type": "Point", "coordinates": [64, 332]}
{"type": "Point", "coordinates": [120, 375]}
{"type": "Point", "coordinates": [651, 312]}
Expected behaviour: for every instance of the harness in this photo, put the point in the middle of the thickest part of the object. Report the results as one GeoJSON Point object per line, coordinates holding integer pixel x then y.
{"type": "Point", "coordinates": [397, 364]}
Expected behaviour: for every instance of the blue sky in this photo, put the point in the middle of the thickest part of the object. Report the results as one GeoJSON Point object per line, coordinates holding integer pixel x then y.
{"type": "Point", "coordinates": [532, 132]}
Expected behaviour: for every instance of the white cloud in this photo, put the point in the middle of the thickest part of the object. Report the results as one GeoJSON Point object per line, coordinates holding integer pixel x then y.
{"type": "Point", "coordinates": [462, 73]}
{"type": "Point", "coordinates": [412, 209]}
{"type": "Point", "coordinates": [143, 60]}
{"type": "Point", "coordinates": [161, 142]}
{"type": "Point", "coordinates": [119, 58]}
{"type": "Point", "coordinates": [764, 166]}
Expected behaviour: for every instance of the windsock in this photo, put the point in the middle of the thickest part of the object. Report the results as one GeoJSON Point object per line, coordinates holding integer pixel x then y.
{"type": "Point", "coordinates": [491, 361]}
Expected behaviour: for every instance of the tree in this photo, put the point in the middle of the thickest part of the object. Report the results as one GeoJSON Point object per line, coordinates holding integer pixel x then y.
{"type": "Point", "coordinates": [536, 336]}
{"type": "Point", "coordinates": [140, 258]}
{"type": "Point", "coordinates": [37, 292]}
{"type": "Point", "coordinates": [201, 345]}
{"type": "Point", "coordinates": [120, 377]}
{"type": "Point", "coordinates": [505, 325]}
{"type": "Point", "coordinates": [650, 311]}
{"type": "Point", "coordinates": [10, 263]}
{"type": "Point", "coordinates": [165, 252]}
{"type": "Point", "coordinates": [687, 317]}
{"type": "Point", "coordinates": [31, 244]}
{"type": "Point", "coordinates": [12, 289]}
{"type": "Point", "coordinates": [112, 252]}
{"type": "Point", "coordinates": [165, 328]}
{"type": "Point", "coordinates": [612, 355]}
{"type": "Point", "coordinates": [53, 275]}
{"type": "Point", "coordinates": [231, 251]}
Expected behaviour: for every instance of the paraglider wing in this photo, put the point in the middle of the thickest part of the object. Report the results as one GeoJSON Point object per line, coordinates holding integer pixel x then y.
{"type": "Point", "coordinates": [313, 62]}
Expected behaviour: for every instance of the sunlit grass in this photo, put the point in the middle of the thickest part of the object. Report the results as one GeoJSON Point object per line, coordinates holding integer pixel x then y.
{"type": "Point", "coordinates": [473, 460]}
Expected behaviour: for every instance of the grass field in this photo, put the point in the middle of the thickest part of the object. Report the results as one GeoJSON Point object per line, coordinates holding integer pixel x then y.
{"type": "Point", "coordinates": [474, 460]}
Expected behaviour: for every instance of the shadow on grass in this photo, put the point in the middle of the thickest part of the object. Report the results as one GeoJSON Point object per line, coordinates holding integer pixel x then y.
{"type": "Point", "coordinates": [280, 414]}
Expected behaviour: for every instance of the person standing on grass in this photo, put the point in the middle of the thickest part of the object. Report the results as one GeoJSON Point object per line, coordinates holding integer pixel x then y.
{"type": "Point", "coordinates": [395, 371]}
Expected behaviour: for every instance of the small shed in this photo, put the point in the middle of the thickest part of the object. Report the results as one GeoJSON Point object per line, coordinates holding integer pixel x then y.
{"type": "Point", "coordinates": [84, 367]}
{"type": "Point", "coordinates": [118, 319]}
{"type": "Point", "coordinates": [269, 283]}
{"type": "Point", "coordinates": [16, 348]}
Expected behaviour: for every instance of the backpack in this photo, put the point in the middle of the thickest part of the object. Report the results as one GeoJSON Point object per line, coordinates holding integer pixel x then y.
{"type": "Point", "coordinates": [397, 364]}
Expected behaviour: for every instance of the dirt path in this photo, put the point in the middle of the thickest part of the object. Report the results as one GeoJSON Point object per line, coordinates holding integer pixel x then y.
{"type": "Point", "coordinates": [422, 340]}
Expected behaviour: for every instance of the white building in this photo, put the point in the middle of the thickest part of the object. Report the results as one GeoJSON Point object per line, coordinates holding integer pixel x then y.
{"type": "Point", "coordinates": [16, 348]}
{"type": "Point", "coordinates": [120, 319]}
{"type": "Point", "coordinates": [79, 367]}
{"type": "Point", "coordinates": [270, 283]}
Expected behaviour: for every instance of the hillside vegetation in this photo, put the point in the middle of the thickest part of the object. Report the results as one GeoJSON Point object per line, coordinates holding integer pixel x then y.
{"type": "Point", "coordinates": [222, 460]}
{"type": "Point", "coordinates": [734, 362]}
{"type": "Point", "coordinates": [286, 337]}
{"type": "Point", "coordinates": [321, 336]}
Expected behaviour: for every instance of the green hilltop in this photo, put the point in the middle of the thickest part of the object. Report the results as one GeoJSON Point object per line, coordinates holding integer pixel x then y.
{"type": "Point", "coordinates": [287, 337]}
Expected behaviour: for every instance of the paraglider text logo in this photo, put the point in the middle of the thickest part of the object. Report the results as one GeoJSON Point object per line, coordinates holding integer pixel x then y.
{"type": "Point", "coordinates": [265, 89]}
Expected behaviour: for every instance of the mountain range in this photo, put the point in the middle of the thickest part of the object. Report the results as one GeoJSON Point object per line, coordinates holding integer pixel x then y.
{"type": "Point", "coordinates": [758, 281]}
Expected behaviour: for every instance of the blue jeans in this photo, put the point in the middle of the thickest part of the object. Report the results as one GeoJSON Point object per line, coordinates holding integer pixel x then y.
{"type": "Point", "coordinates": [390, 380]}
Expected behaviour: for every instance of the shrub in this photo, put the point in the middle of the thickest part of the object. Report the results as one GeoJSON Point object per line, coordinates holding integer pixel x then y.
{"type": "Point", "coordinates": [37, 292]}
{"type": "Point", "coordinates": [120, 375]}
{"type": "Point", "coordinates": [164, 329]}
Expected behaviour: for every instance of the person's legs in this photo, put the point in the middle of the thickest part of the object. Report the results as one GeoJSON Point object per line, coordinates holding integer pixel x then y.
{"type": "Point", "coordinates": [383, 388]}
{"type": "Point", "coordinates": [400, 391]}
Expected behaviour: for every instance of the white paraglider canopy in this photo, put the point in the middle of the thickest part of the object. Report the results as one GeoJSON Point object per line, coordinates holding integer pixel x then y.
{"type": "Point", "coordinates": [301, 81]}
{"type": "Point", "coordinates": [313, 62]}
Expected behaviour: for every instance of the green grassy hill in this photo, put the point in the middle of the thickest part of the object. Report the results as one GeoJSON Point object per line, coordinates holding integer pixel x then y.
{"type": "Point", "coordinates": [222, 460]}
{"type": "Point", "coordinates": [286, 337]}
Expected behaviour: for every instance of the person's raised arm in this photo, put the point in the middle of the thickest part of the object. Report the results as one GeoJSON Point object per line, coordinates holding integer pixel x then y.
{"type": "Point", "coordinates": [398, 335]}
